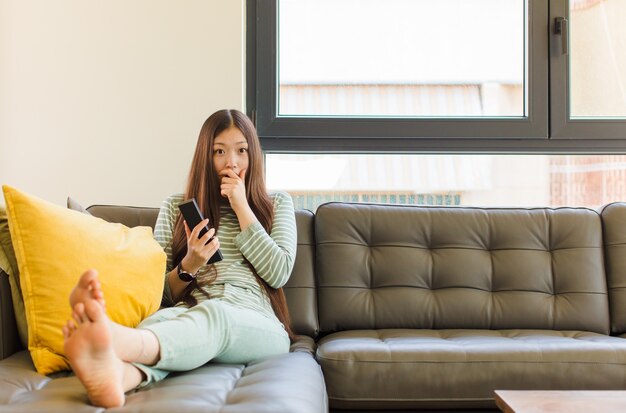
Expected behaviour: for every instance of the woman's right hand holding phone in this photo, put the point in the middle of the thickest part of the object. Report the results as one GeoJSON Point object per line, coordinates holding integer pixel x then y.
{"type": "Point", "coordinates": [199, 250]}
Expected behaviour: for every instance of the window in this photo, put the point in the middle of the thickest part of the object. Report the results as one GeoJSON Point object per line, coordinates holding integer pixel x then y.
{"type": "Point", "coordinates": [375, 76]}
{"type": "Point", "coordinates": [484, 180]}
{"type": "Point", "coordinates": [399, 58]}
{"type": "Point", "coordinates": [589, 70]}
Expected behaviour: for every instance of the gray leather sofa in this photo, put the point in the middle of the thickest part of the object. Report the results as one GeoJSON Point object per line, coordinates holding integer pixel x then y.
{"type": "Point", "coordinates": [405, 308]}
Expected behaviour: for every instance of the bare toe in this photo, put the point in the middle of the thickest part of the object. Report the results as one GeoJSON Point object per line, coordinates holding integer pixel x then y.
{"type": "Point", "coordinates": [87, 287]}
{"type": "Point", "coordinates": [87, 278]}
{"type": "Point", "coordinates": [70, 326]}
{"type": "Point", "coordinates": [94, 312]}
{"type": "Point", "coordinates": [79, 313]}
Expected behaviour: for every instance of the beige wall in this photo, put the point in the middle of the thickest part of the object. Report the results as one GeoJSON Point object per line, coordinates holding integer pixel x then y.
{"type": "Point", "coordinates": [103, 100]}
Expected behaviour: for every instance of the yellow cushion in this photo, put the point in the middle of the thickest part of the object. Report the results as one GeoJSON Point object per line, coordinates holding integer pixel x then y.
{"type": "Point", "coordinates": [54, 246]}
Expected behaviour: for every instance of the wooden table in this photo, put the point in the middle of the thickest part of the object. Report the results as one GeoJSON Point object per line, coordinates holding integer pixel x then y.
{"type": "Point", "coordinates": [572, 401]}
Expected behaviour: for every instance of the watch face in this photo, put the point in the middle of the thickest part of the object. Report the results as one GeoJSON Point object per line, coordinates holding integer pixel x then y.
{"type": "Point", "coordinates": [185, 276]}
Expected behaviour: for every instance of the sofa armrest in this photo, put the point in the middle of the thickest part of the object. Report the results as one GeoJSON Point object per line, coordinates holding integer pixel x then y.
{"type": "Point", "coordinates": [9, 339]}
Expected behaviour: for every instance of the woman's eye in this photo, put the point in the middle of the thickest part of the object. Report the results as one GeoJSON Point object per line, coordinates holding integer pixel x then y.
{"type": "Point", "coordinates": [243, 150]}
{"type": "Point", "coordinates": [219, 151]}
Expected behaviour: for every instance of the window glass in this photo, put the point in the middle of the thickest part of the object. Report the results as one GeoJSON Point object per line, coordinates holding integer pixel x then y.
{"type": "Point", "coordinates": [407, 58]}
{"type": "Point", "coordinates": [479, 180]}
{"type": "Point", "coordinates": [597, 58]}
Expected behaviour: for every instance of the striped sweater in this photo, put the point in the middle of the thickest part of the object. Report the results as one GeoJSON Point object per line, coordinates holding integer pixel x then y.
{"type": "Point", "coordinates": [272, 255]}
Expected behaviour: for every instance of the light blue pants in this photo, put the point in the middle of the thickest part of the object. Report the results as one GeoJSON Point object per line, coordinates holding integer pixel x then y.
{"type": "Point", "coordinates": [212, 330]}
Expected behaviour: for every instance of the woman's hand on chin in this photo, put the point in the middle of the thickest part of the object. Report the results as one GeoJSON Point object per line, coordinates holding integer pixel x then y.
{"type": "Point", "coordinates": [233, 187]}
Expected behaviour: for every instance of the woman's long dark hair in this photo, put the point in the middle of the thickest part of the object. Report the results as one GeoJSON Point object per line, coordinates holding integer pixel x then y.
{"type": "Point", "coordinates": [203, 184]}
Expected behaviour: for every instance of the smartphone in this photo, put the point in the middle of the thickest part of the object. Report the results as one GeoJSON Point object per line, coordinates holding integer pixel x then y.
{"type": "Point", "coordinates": [192, 215]}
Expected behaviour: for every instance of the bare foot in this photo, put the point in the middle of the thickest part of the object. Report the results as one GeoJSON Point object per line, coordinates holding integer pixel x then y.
{"type": "Point", "coordinates": [88, 287]}
{"type": "Point", "coordinates": [89, 348]}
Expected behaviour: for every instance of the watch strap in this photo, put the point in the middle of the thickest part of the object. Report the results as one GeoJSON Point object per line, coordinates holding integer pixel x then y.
{"type": "Point", "coordinates": [184, 275]}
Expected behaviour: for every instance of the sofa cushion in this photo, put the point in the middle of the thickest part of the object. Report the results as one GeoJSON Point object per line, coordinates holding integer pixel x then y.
{"type": "Point", "coordinates": [54, 246]}
{"type": "Point", "coordinates": [614, 227]}
{"type": "Point", "coordinates": [383, 266]}
{"type": "Point", "coordinates": [288, 383]}
{"type": "Point", "coordinates": [446, 368]}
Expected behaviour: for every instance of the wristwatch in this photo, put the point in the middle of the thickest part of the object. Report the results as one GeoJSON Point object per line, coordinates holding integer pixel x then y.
{"type": "Point", "coordinates": [184, 275]}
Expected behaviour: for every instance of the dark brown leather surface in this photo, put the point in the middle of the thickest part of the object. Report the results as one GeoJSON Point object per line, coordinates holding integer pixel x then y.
{"type": "Point", "coordinates": [614, 227]}
{"type": "Point", "coordinates": [128, 215]}
{"type": "Point", "coordinates": [300, 289]}
{"type": "Point", "coordinates": [304, 344]}
{"type": "Point", "coordinates": [417, 368]}
{"type": "Point", "coordinates": [435, 267]}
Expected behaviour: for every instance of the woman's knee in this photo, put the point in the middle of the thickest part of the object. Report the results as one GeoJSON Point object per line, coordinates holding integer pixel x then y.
{"type": "Point", "coordinates": [161, 315]}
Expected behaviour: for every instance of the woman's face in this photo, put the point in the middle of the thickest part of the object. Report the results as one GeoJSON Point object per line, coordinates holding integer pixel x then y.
{"type": "Point", "coordinates": [230, 151]}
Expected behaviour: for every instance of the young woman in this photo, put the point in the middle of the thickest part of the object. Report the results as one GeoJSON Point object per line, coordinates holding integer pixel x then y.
{"type": "Point", "coordinates": [231, 311]}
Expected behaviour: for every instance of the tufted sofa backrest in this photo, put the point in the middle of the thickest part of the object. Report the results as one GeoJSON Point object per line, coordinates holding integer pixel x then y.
{"type": "Point", "coordinates": [614, 227]}
{"type": "Point", "coordinates": [436, 267]}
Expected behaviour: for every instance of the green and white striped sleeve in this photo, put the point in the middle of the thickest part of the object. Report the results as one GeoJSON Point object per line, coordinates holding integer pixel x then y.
{"type": "Point", "coordinates": [163, 233]}
{"type": "Point", "coordinates": [272, 255]}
